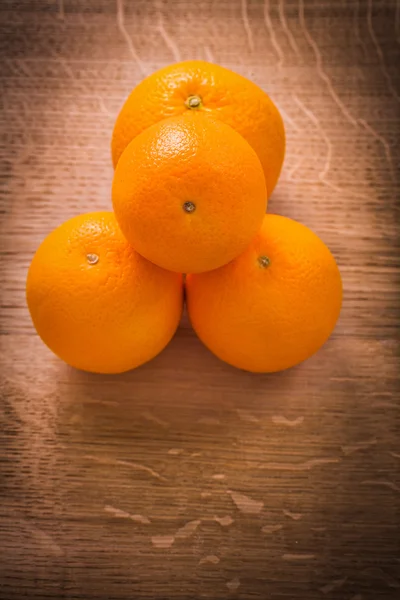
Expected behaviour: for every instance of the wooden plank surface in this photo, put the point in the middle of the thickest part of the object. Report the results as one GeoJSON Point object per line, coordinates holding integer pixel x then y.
{"type": "Point", "coordinates": [186, 478]}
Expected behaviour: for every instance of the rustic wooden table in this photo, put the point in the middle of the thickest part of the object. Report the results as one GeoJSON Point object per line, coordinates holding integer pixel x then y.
{"type": "Point", "coordinates": [187, 478]}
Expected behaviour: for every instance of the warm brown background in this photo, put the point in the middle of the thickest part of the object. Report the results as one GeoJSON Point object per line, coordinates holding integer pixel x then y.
{"type": "Point", "coordinates": [187, 478]}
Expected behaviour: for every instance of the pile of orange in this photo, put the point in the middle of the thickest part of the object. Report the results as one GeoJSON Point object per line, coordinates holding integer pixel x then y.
{"type": "Point", "coordinates": [197, 151]}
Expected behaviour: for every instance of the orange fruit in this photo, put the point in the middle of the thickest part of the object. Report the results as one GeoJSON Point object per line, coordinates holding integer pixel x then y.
{"type": "Point", "coordinates": [95, 302]}
{"type": "Point", "coordinates": [273, 306]}
{"type": "Point", "coordinates": [189, 193]}
{"type": "Point", "coordinates": [199, 86]}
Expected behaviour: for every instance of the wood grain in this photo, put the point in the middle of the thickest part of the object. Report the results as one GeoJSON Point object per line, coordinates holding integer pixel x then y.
{"type": "Point", "coordinates": [186, 478]}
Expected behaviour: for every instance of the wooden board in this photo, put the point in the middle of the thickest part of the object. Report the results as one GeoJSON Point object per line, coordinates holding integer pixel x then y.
{"type": "Point", "coordinates": [186, 478]}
